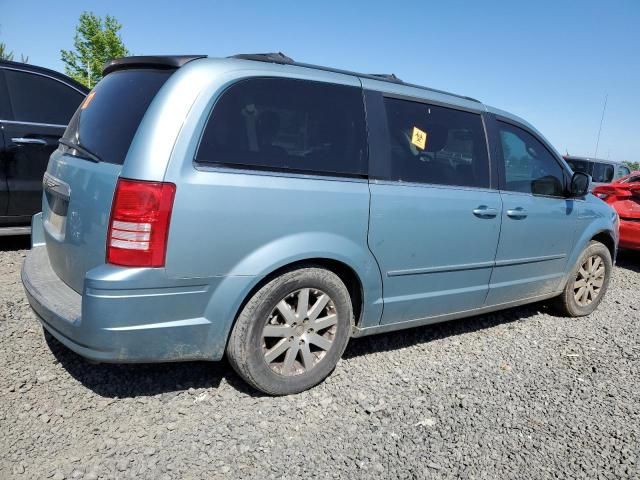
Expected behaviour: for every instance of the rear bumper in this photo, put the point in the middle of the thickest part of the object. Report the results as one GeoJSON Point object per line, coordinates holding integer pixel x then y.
{"type": "Point", "coordinates": [630, 234]}
{"type": "Point", "coordinates": [143, 325]}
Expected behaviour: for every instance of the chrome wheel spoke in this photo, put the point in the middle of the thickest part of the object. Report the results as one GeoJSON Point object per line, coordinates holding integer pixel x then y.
{"type": "Point", "coordinates": [303, 303]}
{"type": "Point", "coordinates": [289, 360]}
{"type": "Point", "coordinates": [579, 293]}
{"type": "Point", "coordinates": [286, 312]}
{"type": "Point", "coordinates": [307, 357]}
{"type": "Point", "coordinates": [277, 350]}
{"type": "Point", "coordinates": [320, 341]}
{"type": "Point", "coordinates": [277, 331]}
{"type": "Point", "coordinates": [598, 282]}
{"type": "Point", "coordinates": [318, 307]}
{"type": "Point", "coordinates": [585, 295]}
{"type": "Point", "coordinates": [324, 322]}
{"type": "Point", "coordinates": [580, 283]}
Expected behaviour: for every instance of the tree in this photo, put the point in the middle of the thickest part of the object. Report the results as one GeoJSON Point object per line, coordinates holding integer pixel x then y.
{"type": "Point", "coordinates": [4, 53]}
{"type": "Point", "coordinates": [96, 42]}
{"type": "Point", "coordinates": [633, 166]}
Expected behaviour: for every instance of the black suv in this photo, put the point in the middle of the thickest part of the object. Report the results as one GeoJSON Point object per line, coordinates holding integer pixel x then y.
{"type": "Point", "coordinates": [35, 106]}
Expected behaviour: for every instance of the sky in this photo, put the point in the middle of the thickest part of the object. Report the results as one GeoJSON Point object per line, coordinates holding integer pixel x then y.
{"type": "Point", "coordinates": [552, 62]}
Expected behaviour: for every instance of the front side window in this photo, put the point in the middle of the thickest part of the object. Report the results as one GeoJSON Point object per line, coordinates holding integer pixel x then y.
{"type": "Point", "coordinates": [288, 124]}
{"type": "Point", "coordinates": [603, 172]}
{"type": "Point", "coordinates": [436, 145]}
{"type": "Point", "coordinates": [528, 166]}
{"type": "Point", "coordinates": [38, 99]}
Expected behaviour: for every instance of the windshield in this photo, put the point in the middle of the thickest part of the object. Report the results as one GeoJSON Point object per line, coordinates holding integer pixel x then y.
{"type": "Point", "coordinates": [105, 123]}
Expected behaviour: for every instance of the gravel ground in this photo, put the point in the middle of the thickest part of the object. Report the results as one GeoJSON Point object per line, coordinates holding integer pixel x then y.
{"type": "Point", "coordinates": [518, 394]}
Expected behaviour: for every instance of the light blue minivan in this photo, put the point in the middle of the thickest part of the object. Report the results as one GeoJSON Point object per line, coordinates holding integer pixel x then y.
{"type": "Point", "coordinates": [270, 210]}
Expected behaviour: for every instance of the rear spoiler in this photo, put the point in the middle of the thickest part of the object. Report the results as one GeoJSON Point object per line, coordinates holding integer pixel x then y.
{"type": "Point", "coordinates": [155, 61]}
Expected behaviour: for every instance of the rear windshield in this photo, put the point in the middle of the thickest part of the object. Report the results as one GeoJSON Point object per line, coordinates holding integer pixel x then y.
{"type": "Point", "coordinates": [104, 125]}
{"type": "Point", "coordinates": [579, 165]}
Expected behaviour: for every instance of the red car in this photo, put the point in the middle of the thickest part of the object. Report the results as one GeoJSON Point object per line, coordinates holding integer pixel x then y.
{"type": "Point", "coordinates": [624, 196]}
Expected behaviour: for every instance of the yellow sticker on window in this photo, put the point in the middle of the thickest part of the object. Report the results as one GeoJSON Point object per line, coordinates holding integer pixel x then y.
{"type": "Point", "coordinates": [419, 138]}
{"type": "Point", "coordinates": [87, 100]}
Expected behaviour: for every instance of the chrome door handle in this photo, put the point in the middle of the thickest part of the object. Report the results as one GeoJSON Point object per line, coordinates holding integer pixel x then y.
{"type": "Point", "coordinates": [28, 141]}
{"type": "Point", "coordinates": [485, 212]}
{"type": "Point", "coordinates": [517, 213]}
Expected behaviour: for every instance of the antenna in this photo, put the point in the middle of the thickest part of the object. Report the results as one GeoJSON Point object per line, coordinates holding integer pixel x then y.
{"type": "Point", "coordinates": [606, 97]}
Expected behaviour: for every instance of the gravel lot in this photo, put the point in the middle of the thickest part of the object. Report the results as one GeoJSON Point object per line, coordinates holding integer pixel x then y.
{"type": "Point", "coordinates": [518, 394]}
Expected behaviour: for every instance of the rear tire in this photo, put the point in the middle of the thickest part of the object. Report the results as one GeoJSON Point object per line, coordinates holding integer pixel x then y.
{"type": "Point", "coordinates": [292, 332]}
{"type": "Point", "coordinates": [587, 283]}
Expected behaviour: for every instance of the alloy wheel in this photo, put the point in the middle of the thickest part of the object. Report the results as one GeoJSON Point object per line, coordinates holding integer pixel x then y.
{"type": "Point", "coordinates": [299, 331]}
{"type": "Point", "coordinates": [589, 280]}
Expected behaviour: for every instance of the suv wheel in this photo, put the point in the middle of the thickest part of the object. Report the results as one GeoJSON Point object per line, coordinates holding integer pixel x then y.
{"type": "Point", "coordinates": [292, 332]}
{"type": "Point", "coordinates": [588, 281]}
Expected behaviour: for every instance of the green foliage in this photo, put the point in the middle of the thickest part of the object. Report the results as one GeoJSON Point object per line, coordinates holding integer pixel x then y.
{"type": "Point", "coordinates": [632, 165]}
{"type": "Point", "coordinates": [96, 42]}
{"type": "Point", "coordinates": [4, 53]}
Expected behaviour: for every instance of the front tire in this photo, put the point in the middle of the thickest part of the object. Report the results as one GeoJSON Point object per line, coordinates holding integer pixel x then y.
{"type": "Point", "coordinates": [587, 283]}
{"type": "Point", "coordinates": [292, 332]}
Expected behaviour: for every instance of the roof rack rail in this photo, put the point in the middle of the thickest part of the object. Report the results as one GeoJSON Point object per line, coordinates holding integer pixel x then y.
{"type": "Point", "coordinates": [277, 57]}
{"type": "Point", "coordinates": [281, 58]}
{"type": "Point", "coordinates": [391, 77]}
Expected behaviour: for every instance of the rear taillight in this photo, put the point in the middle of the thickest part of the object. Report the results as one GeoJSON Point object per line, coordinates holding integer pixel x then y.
{"type": "Point", "coordinates": [139, 224]}
{"type": "Point", "coordinates": [611, 193]}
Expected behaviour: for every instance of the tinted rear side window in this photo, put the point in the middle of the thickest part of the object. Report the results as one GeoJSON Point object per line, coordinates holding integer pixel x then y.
{"type": "Point", "coordinates": [108, 119]}
{"type": "Point", "coordinates": [39, 99]}
{"type": "Point", "coordinates": [580, 165]}
{"type": "Point", "coordinates": [433, 144]}
{"type": "Point", "coordinates": [603, 172]}
{"type": "Point", "coordinates": [287, 124]}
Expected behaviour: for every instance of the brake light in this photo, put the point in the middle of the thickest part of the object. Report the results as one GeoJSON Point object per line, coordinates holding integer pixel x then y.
{"type": "Point", "coordinates": [139, 224]}
{"type": "Point", "coordinates": [611, 192]}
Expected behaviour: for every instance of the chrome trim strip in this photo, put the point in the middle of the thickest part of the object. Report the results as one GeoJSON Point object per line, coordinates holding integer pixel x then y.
{"type": "Point", "coordinates": [474, 266]}
{"type": "Point", "coordinates": [7, 231]}
{"type": "Point", "coordinates": [442, 269]}
{"type": "Point", "coordinates": [15, 122]}
{"type": "Point", "coordinates": [522, 261]}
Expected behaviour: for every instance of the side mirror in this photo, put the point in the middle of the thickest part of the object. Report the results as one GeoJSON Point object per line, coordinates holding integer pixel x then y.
{"type": "Point", "coordinates": [580, 183]}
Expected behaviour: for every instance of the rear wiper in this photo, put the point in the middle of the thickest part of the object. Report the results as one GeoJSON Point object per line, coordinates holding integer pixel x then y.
{"type": "Point", "coordinates": [83, 151]}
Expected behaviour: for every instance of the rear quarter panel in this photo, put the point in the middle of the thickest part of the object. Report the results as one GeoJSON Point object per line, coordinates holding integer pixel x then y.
{"type": "Point", "coordinates": [234, 226]}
